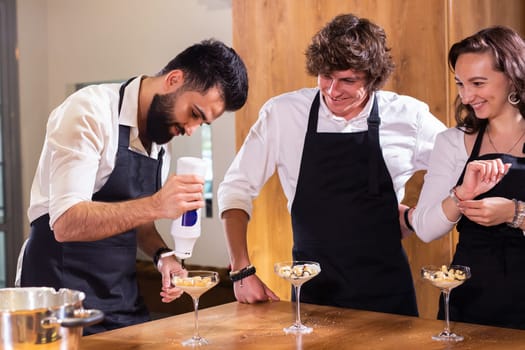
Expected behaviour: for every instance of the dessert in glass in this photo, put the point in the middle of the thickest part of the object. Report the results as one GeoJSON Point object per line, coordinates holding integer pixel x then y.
{"type": "Point", "coordinates": [446, 278]}
{"type": "Point", "coordinates": [297, 273]}
{"type": "Point", "coordinates": [196, 283]}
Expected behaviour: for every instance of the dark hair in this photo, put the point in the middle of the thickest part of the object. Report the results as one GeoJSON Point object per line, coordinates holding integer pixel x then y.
{"type": "Point", "coordinates": [508, 50]}
{"type": "Point", "coordinates": [209, 64]}
{"type": "Point", "coordinates": [349, 42]}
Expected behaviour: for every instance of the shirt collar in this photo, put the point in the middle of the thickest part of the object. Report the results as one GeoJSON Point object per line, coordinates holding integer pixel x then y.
{"type": "Point", "coordinates": [130, 104]}
{"type": "Point", "coordinates": [129, 113]}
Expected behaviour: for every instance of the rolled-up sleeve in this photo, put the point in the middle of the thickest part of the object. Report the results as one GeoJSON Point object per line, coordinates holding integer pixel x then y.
{"type": "Point", "coordinates": [74, 156]}
{"type": "Point", "coordinates": [252, 166]}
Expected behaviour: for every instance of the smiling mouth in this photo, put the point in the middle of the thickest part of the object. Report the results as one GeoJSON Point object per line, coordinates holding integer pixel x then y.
{"type": "Point", "coordinates": [338, 99]}
{"type": "Point", "coordinates": [476, 105]}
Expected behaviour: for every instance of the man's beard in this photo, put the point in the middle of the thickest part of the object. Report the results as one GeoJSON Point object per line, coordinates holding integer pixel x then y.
{"type": "Point", "coordinates": [160, 120]}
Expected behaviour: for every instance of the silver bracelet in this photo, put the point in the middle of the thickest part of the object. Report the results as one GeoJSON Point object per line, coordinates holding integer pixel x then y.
{"type": "Point", "coordinates": [519, 214]}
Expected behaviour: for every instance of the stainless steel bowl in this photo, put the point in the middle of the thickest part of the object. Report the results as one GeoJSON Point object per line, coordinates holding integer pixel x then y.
{"type": "Point", "coordinates": [42, 315]}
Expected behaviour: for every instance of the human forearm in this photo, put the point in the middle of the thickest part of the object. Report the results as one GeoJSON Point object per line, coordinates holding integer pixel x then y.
{"type": "Point", "coordinates": [148, 239]}
{"type": "Point", "coordinates": [405, 217]}
{"type": "Point", "coordinates": [436, 213]}
{"type": "Point", "coordinates": [235, 224]}
{"type": "Point", "coordinates": [91, 221]}
{"type": "Point", "coordinates": [450, 207]}
{"type": "Point", "coordinates": [250, 289]}
{"type": "Point", "coordinates": [431, 223]}
{"type": "Point", "coordinates": [429, 218]}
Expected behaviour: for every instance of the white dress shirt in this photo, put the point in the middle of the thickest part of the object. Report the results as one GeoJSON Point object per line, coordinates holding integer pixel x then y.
{"type": "Point", "coordinates": [276, 140]}
{"type": "Point", "coordinates": [446, 164]}
{"type": "Point", "coordinates": [80, 147]}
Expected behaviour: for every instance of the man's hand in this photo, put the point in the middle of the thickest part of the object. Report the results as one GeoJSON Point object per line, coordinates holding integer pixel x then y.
{"type": "Point", "coordinates": [252, 290]}
{"type": "Point", "coordinates": [180, 193]}
{"type": "Point", "coordinates": [169, 266]}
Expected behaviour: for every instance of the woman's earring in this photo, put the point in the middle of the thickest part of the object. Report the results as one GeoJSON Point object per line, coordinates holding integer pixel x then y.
{"type": "Point", "coordinates": [513, 98]}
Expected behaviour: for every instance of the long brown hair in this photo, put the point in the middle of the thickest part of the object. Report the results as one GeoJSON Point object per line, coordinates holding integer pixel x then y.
{"type": "Point", "coordinates": [508, 50]}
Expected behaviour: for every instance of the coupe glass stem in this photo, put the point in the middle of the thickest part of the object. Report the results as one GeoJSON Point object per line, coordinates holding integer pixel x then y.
{"type": "Point", "coordinates": [298, 308]}
{"type": "Point", "coordinates": [196, 335]}
{"type": "Point", "coordinates": [446, 296]}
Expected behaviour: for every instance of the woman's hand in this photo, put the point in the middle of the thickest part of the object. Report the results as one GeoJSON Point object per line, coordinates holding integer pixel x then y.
{"type": "Point", "coordinates": [480, 177]}
{"type": "Point", "coordinates": [488, 211]}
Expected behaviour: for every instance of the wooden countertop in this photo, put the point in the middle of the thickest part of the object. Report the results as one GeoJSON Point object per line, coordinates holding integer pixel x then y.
{"type": "Point", "coordinates": [260, 326]}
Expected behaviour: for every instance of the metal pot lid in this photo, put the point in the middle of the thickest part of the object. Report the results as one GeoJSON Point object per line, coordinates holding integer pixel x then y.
{"type": "Point", "coordinates": [35, 298]}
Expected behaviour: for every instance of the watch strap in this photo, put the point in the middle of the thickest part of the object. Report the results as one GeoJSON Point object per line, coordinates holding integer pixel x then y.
{"type": "Point", "coordinates": [242, 273]}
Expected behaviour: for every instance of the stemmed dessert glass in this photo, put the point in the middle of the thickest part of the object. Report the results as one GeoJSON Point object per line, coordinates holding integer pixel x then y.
{"type": "Point", "coordinates": [297, 273]}
{"type": "Point", "coordinates": [446, 278]}
{"type": "Point", "coordinates": [196, 283]}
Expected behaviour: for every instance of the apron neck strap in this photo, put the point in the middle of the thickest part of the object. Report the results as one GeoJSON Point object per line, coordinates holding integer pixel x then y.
{"type": "Point", "coordinates": [121, 93]}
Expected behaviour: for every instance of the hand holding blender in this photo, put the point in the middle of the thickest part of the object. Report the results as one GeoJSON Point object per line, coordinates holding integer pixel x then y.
{"type": "Point", "coordinates": [187, 228]}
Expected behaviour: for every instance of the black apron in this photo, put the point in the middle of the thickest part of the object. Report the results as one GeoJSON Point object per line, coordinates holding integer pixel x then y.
{"type": "Point", "coordinates": [106, 269]}
{"type": "Point", "coordinates": [494, 295]}
{"type": "Point", "coordinates": [345, 216]}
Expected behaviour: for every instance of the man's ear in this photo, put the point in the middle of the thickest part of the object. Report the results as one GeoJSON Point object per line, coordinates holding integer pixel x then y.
{"type": "Point", "coordinates": [174, 80]}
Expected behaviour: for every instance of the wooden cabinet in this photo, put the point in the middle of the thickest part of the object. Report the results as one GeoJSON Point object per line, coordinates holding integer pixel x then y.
{"type": "Point", "coordinates": [272, 36]}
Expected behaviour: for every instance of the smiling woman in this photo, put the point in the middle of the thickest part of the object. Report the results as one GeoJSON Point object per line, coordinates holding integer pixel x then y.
{"type": "Point", "coordinates": [471, 182]}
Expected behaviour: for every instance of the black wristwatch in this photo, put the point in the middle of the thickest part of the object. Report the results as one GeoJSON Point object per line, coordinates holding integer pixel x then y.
{"type": "Point", "coordinates": [242, 273]}
{"type": "Point", "coordinates": [156, 256]}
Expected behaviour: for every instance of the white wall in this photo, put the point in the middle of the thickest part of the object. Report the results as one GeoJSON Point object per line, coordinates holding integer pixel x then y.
{"type": "Point", "coordinates": [64, 42]}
